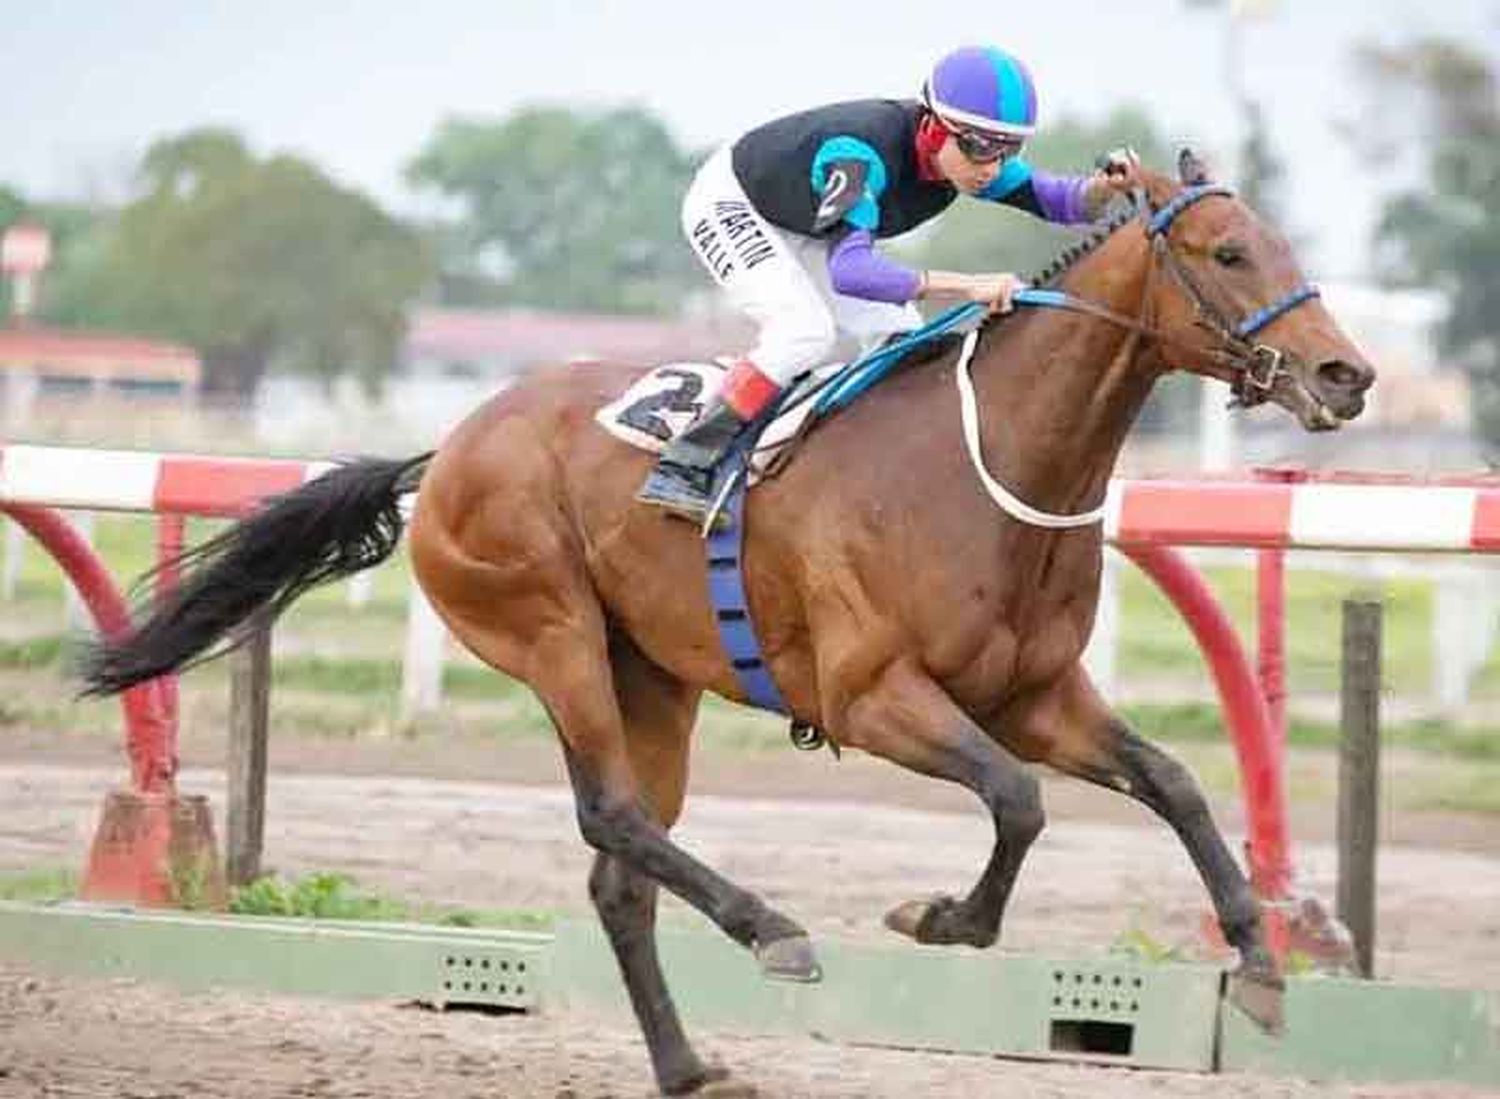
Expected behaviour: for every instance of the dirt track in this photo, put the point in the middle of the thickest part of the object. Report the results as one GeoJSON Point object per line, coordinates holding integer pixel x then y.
{"type": "Point", "coordinates": [835, 865]}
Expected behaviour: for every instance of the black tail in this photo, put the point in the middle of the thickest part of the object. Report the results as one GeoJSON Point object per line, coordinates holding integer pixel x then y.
{"type": "Point", "coordinates": [341, 523]}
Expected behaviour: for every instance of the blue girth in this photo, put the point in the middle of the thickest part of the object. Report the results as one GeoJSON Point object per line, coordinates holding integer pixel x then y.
{"type": "Point", "coordinates": [725, 547]}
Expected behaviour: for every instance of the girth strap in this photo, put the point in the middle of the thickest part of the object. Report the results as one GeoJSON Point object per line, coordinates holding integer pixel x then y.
{"type": "Point", "coordinates": [725, 548]}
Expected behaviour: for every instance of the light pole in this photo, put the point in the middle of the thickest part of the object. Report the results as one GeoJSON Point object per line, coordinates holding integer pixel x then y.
{"type": "Point", "coordinates": [25, 249]}
{"type": "Point", "coordinates": [1217, 443]}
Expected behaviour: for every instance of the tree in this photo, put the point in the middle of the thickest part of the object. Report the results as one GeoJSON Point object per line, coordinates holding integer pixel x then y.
{"type": "Point", "coordinates": [1261, 171]}
{"type": "Point", "coordinates": [251, 261]}
{"type": "Point", "coordinates": [1445, 233]}
{"type": "Point", "coordinates": [564, 209]}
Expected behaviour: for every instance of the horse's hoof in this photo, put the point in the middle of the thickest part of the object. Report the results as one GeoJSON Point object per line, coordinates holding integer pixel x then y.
{"type": "Point", "coordinates": [906, 918]}
{"type": "Point", "coordinates": [935, 921]}
{"type": "Point", "coordinates": [789, 959]}
{"type": "Point", "coordinates": [726, 1088]}
{"type": "Point", "coordinates": [711, 1082]}
{"type": "Point", "coordinates": [1262, 997]}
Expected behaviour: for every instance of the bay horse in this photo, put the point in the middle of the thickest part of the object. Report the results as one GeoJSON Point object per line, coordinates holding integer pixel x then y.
{"type": "Point", "coordinates": [900, 610]}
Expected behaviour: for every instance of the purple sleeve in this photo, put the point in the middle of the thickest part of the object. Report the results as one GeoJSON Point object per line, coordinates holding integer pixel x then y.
{"type": "Point", "coordinates": [859, 271]}
{"type": "Point", "coordinates": [1061, 197]}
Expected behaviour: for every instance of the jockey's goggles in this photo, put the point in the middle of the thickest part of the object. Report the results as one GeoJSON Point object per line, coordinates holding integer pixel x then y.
{"type": "Point", "coordinates": [983, 147]}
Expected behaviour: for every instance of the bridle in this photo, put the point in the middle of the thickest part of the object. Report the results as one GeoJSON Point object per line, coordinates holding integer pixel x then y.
{"type": "Point", "coordinates": [1255, 367]}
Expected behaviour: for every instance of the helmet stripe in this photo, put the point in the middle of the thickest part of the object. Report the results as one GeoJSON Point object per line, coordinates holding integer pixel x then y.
{"type": "Point", "coordinates": [1016, 102]}
{"type": "Point", "coordinates": [968, 82]}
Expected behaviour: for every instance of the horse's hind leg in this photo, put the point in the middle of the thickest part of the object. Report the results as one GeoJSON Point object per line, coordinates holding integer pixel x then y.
{"type": "Point", "coordinates": [1095, 744]}
{"type": "Point", "coordinates": [605, 741]}
{"type": "Point", "coordinates": [658, 712]}
{"type": "Point", "coordinates": [909, 719]}
{"type": "Point", "coordinates": [574, 680]}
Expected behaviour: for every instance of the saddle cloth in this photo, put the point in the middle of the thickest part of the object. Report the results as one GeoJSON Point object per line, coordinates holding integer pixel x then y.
{"type": "Point", "coordinates": [661, 404]}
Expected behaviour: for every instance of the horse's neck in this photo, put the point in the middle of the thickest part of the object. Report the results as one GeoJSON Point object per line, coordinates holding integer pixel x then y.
{"type": "Point", "coordinates": [1059, 391]}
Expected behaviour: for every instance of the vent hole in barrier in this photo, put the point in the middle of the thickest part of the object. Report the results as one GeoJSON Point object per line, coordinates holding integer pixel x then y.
{"type": "Point", "coordinates": [1091, 1036]}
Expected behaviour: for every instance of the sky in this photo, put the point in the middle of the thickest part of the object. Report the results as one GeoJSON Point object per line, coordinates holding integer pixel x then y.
{"type": "Point", "coordinates": [359, 86]}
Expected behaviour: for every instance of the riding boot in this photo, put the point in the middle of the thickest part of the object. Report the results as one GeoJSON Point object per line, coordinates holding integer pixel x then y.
{"type": "Point", "coordinates": [682, 482]}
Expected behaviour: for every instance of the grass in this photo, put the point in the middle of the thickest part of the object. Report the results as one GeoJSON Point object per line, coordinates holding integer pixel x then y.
{"type": "Point", "coordinates": [331, 896]}
{"type": "Point", "coordinates": [1200, 722]}
{"type": "Point", "coordinates": [337, 671]}
{"type": "Point", "coordinates": [316, 896]}
{"type": "Point", "coordinates": [1155, 643]}
{"type": "Point", "coordinates": [43, 886]}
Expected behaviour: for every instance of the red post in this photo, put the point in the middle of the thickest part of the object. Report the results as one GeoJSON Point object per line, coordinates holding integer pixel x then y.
{"type": "Point", "coordinates": [1270, 601]}
{"type": "Point", "coordinates": [150, 734]}
{"type": "Point", "coordinates": [1249, 721]}
{"type": "Point", "coordinates": [170, 530]}
{"type": "Point", "coordinates": [153, 846]}
{"type": "Point", "coordinates": [1270, 619]}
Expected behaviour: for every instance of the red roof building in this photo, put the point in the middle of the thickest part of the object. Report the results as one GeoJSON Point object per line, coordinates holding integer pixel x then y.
{"type": "Point", "coordinates": [98, 363]}
{"type": "Point", "coordinates": [508, 341]}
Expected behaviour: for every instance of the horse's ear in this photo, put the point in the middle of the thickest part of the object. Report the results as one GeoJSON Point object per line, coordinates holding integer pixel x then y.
{"type": "Point", "coordinates": [1192, 171]}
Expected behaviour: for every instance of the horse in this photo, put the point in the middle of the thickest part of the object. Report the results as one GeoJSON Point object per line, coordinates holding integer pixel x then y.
{"type": "Point", "coordinates": [900, 610]}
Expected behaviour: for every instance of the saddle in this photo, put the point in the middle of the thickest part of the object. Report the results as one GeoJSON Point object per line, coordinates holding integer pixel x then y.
{"type": "Point", "coordinates": [661, 404]}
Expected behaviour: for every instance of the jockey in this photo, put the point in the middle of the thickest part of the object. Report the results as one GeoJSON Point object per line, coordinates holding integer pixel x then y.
{"type": "Point", "coordinates": [786, 219]}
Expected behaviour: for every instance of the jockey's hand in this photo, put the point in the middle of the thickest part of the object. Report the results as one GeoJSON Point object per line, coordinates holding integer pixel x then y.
{"type": "Point", "coordinates": [1119, 173]}
{"type": "Point", "coordinates": [994, 290]}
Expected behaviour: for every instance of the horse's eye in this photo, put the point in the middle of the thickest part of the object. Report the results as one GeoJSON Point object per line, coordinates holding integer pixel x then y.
{"type": "Point", "coordinates": [1230, 255]}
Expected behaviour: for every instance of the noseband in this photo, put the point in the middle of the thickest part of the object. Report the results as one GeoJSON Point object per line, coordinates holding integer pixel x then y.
{"type": "Point", "coordinates": [1257, 366]}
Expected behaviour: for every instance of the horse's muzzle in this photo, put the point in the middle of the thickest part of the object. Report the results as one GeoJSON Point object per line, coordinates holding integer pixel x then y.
{"type": "Point", "coordinates": [1341, 385]}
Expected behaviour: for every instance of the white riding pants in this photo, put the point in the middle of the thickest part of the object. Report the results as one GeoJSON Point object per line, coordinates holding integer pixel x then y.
{"type": "Point", "coordinates": [780, 280]}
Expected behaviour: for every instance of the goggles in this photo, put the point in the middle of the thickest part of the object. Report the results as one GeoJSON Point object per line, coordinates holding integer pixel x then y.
{"type": "Point", "coordinates": [982, 147]}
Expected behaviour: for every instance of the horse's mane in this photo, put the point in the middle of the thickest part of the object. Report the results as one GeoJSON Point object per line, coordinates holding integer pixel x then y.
{"type": "Point", "coordinates": [1069, 256]}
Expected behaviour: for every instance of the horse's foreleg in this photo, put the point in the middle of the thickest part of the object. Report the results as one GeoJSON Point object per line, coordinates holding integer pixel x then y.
{"type": "Point", "coordinates": [909, 719]}
{"type": "Point", "coordinates": [1156, 779]}
{"type": "Point", "coordinates": [1093, 743]}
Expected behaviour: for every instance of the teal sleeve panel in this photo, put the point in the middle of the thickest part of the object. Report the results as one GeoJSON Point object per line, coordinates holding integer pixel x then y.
{"type": "Point", "coordinates": [1015, 175]}
{"type": "Point", "coordinates": [845, 193]}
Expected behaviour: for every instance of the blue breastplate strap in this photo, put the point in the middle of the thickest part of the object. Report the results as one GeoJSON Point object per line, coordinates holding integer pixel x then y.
{"type": "Point", "coordinates": [725, 548]}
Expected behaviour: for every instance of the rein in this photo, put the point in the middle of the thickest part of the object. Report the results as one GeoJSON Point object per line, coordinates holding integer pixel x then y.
{"type": "Point", "coordinates": [1257, 366]}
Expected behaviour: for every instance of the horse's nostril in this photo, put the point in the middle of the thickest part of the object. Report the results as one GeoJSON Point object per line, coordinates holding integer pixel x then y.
{"type": "Point", "coordinates": [1345, 375]}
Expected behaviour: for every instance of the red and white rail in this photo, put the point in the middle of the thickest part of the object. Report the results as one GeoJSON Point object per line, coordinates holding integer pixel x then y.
{"type": "Point", "coordinates": [1377, 516]}
{"type": "Point", "coordinates": [129, 480]}
{"type": "Point", "coordinates": [1145, 518]}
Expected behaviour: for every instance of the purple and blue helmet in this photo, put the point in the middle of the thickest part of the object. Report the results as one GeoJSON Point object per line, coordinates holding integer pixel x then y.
{"type": "Point", "coordinates": [982, 88]}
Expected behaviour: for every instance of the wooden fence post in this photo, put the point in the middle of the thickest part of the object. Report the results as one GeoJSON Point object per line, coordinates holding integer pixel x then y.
{"type": "Point", "coordinates": [249, 721]}
{"type": "Point", "coordinates": [1359, 776]}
